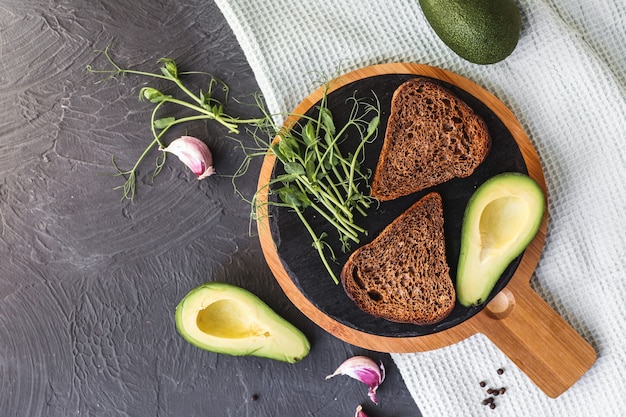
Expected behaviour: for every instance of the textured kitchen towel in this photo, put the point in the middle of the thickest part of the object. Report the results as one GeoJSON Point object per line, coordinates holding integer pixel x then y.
{"type": "Point", "coordinates": [566, 84]}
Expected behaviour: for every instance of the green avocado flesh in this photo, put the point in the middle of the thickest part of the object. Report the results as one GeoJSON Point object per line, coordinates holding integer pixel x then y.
{"type": "Point", "coordinates": [480, 31]}
{"type": "Point", "coordinates": [224, 318]}
{"type": "Point", "coordinates": [501, 219]}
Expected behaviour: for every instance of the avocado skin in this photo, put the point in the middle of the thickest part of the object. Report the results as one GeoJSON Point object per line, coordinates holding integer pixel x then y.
{"type": "Point", "coordinates": [480, 31]}
{"type": "Point", "coordinates": [478, 274]}
{"type": "Point", "coordinates": [272, 336]}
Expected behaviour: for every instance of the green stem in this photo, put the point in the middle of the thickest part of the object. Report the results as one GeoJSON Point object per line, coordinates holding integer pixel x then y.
{"type": "Point", "coordinates": [334, 188]}
{"type": "Point", "coordinates": [229, 122]}
{"type": "Point", "coordinates": [143, 73]}
{"type": "Point", "coordinates": [187, 91]}
{"type": "Point", "coordinates": [360, 209]}
{"type": "Point", "coordinates": [152, 122]}
{"type": "Point", "coordinates": [338, 222]}
{"type": "Point", "coordinates": [326, 198]}
{"type": "Point", "coordinates": [353, 164]}
{"type": "Point", "coordinates": [189, 105]}
{"type": "Point", "coordinates": [318, 245]}
{"type": "Point", "coordinates": [157, 138]}
{"type": "Point", "coordinates": [144, 154]}
{"type": "Point", "coordinates": [343, 183]}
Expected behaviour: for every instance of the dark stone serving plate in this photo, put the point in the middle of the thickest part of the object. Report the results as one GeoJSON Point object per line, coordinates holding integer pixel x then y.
{"type": "Point", "coordinates": [294, 246]}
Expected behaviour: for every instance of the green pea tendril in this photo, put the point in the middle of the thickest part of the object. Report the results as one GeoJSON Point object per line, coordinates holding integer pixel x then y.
{"type": "Point", "coordinates": [317, 174]}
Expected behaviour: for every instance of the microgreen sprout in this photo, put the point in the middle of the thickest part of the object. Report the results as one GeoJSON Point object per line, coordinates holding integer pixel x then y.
{"type": "Point", "coordinates": [204, 106]}
{"type": "Point", "coordinates": [316, 173]}
{"type": "Point", "coordinates": [319, 176]}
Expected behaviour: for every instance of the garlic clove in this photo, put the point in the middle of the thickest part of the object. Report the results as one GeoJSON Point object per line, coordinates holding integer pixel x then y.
{"type": "Point", "coordinates": [360, 412]}
{"type": "Point", "coordinates": [194, 153]}
{"type": "Point", "coordinates": [365, 370]}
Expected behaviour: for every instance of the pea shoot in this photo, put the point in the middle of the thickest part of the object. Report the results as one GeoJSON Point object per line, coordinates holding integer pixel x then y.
{"type": "Point", "coordinates": [315, 172]}
{"type": "Point", "coordinates": [204, 106]}
{"type": "Point", "coordinates": [318, 176]}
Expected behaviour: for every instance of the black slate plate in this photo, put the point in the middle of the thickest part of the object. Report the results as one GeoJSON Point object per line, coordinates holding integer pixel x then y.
{"type": "Point", "coordinates": [302, 263]}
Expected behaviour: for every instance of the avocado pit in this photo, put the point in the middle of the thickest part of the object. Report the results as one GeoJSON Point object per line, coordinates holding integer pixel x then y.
{"type": "Point", "coordinates": [224, 318]}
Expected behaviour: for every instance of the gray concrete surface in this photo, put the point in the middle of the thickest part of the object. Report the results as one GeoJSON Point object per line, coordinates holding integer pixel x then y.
{"type": "Point", "coordinates": [89, 283]}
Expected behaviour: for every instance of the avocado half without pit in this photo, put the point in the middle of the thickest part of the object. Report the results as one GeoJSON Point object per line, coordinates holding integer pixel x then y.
{"type": "Point", "coordinates": [501, 219]}
{"type": "Point", "coordinates": [224, 318]}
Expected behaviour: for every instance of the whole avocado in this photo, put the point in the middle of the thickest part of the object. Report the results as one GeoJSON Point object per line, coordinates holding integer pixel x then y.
{"type": "Point", "coordinates": [480, 31]}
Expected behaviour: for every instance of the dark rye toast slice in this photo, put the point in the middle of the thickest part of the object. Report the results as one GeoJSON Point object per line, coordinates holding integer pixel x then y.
{"type": "Point", "coordinates": [402, 275]}
{"type": "Point", "coordinates": [432, 136]}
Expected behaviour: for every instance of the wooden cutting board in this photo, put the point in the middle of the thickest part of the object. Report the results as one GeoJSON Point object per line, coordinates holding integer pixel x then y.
{"type": "Point", "coordinates": [536, 338]}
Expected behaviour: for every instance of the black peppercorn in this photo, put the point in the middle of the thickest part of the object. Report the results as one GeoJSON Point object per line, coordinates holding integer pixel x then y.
{"type": "Point", "coordinates": [482, 384]}
{"type": "Point", "coordinates": [492, 405]}
{"type": "Point", "coordinates": [500, 371]}
{"type": "Point", "coordinates": [502, 390]}
{"type": "Point", "coordinates": [255, 397]}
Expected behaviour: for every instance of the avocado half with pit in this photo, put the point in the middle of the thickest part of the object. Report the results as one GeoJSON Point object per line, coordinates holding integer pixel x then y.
{"type": "Point", "coordinates": [224, 318]}
{"type": "Point", "coordinates": [501, 219]}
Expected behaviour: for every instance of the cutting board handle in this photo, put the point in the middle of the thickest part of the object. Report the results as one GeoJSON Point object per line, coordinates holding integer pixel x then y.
{"type": "Point", "coordinates": [537, 339]}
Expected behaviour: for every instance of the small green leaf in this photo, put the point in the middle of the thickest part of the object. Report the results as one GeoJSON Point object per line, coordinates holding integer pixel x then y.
{"type": "Point", "coordinates": [327, 120]}
{"type": "Point", "coordinates": [329, 139]}
{"type": "Point", "coordinates": [152, 94]}
{"type": "Point", "coordinates": [355, 161]}
{"type": "Point", "coordinates": [373, 125]}
{"type": "Point", "coordinates": [164, 122]}
{"type": "Point", "coordinates": [170, 69]}
{"type": "Point", "coordinates": [293, 197]}
{"type": "Point", "coordinates": [216, 109]}
{"type": "Point", "coordinates": [310, 154]}
{"type": "Point", "coordinates": [286, 178]}
{"type": "Point", "coordinates": [304, 199]}
{"type": "Point", "coordinates": [308, 134]}
{"type": "Point", "coordinates": [288, 147]}
{"type": "Point", "coordinates": [310, 169]}
{"type": "Point", "coordinates": [275, 148]}
{"type": "Point", "coordinates": [294, 168]}
{"type": "Point", "coordinates": [320, 244]}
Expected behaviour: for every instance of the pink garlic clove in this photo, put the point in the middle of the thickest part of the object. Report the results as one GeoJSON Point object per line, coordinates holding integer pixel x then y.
{"type": "Point", "coordinates": [194, 153]}
{"type": "Point", "coordinates": [365, 370]}
{"type": "Point", "coordinates": [360, 412]}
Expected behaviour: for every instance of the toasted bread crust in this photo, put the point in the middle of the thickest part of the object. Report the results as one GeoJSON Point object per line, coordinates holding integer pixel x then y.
{"type": "Point", "coordinates": [432, 136]}
{"type": "Point", "coordinates": [403, 275]}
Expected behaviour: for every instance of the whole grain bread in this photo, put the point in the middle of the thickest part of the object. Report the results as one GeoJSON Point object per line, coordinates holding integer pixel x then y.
{"type": "Point", "coordinates": [432, 136]}
{"type": "Point", "coordinates": [402, 275]}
